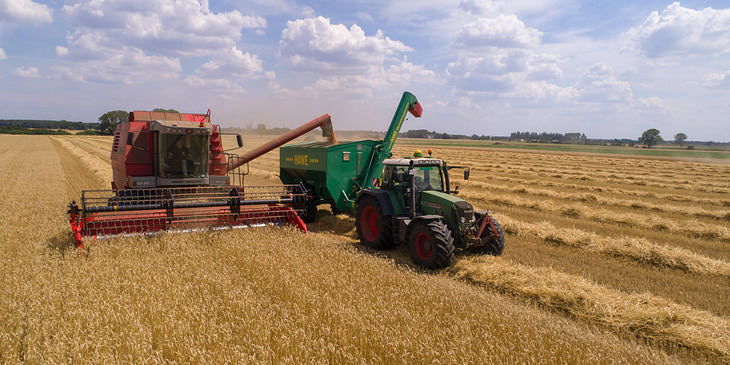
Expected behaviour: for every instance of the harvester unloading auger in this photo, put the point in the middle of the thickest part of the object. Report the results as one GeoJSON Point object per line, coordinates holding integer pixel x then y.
{"type": "Point", "coordinates": [171, 174]}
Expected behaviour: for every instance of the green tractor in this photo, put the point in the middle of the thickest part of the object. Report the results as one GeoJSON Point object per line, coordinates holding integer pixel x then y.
{"type": "Point", "coordinates": [414, 203]}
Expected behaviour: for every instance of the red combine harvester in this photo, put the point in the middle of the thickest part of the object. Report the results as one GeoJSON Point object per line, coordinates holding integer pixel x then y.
{"type": "Point", "coordinates": [172, 174]}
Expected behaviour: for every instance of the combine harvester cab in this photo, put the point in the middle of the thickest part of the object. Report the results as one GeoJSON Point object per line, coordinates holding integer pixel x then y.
{"type": "Point", "coordinates": [171, 174]}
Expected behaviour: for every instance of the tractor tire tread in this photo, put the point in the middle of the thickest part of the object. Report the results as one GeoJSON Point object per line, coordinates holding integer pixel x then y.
{"type": "Point", "coordinates": [384, 240]}
{"type": "Point", "coordinates": [442, 245]}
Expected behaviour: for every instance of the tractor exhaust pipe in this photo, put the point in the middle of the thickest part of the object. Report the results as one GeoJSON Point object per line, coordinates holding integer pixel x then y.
{"type": "Point", "coordinates": [412, 183]}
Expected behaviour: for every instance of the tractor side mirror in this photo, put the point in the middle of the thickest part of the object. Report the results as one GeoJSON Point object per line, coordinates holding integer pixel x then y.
{"type": "Point", "coordinates": [466, 174]}
{"type": "Point", "coordinates": [239, 140]}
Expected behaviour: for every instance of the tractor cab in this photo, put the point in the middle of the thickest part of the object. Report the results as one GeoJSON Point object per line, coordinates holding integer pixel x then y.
{"type": "Point", "coordinates": [428, 174]}
{"type": "Point", "coordinates": [404, 176]}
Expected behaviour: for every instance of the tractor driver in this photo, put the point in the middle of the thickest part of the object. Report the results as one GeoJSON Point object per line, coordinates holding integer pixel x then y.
{"type": "Point", "coordinates": [179, 158]}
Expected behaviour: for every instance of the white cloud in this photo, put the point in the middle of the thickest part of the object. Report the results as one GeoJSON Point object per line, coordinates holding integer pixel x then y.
{"type": "Point", "coordinates": [308, 12]}
{"type": "Point", "coordinates": [252, 22]}
{"type": "Point", "coordinates": [169, 27]}
{"type": "Point", "coordinates": [478, 7]}
{"type": "Point", "coordinates": [232, 64]}
{"type": "Point", "coordinates": [504, 31]}
{"type": "Point", "coordinates": [3, 56]}
{"type": "Point", "coordinates": [502, 71]}
{"type": "Point", "coordinates": [394, 77]}
{"type": "Point", "coordinates": [122, 41]}
{"type": "Point", "coordinates": [682, 31]}
{"type": "Point", "coordinates": [716, 80]}
{"type": "Point", "coordinates": [609, 90]}
{"type": "Point", "coordinates": [366, 17]}
{"type": "Point", "coordinates": [27, 71]}
{"type": "Point", "coordinates": [114, 65]}
{"type": "Point", "coordinates": [599, 70]}
{"type": "Point", "coordinates": [498, 56]}
{"type": "Point", "coordinates": [61, 51]}
{"type": "Point", "coordinates": [314, 44]}
{"type": "Point", "coordinates": [345, 60]}
{"type": "Point", "coordinates": [25, 12]}
{"type": "Point", "coordinates": [225, 71]}
{"type": "Point", "coordinates": [222, 87]}
{"type": "Point", "coordinates": [652, 103]}
{"type": "Point", "coordinates": [534, 91]}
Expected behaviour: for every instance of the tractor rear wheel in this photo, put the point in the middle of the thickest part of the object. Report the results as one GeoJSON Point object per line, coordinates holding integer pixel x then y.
{"type": "Point", "coordinates": [493, 244]}
{"type": "Point", "coordinates": [374, 229]}
{"type": "Point", "coordinates": [431, 244]}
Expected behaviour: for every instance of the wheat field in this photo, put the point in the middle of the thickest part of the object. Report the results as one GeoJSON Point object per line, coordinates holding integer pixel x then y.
{"type": "Point", "coordinates": [608, 259]}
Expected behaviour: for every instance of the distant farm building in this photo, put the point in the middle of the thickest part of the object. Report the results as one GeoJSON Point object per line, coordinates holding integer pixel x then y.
{"type": "Point", "coordinates": [575, 137]}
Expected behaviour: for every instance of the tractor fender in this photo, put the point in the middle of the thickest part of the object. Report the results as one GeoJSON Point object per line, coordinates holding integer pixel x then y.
{"type": "Point", "coordinates": [405, 233]}
{"type": "Point", "coordinates": [383, 199]}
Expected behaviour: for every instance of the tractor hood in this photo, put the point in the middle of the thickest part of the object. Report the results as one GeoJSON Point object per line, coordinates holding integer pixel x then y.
{"type": "Point", "coordinates": [455, 210]}
{"type": "Point", "coordinates": [437, 202]}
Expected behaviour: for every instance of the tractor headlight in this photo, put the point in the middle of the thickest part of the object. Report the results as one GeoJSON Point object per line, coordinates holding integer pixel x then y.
{"type": "Point", "coordinates": [465, 211]}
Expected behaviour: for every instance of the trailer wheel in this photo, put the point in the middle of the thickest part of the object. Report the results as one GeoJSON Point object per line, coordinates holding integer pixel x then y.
{"type": "Point", "coordinates": [431, 244]}
{"type": "Point", "coordinates": [334, 209]}
{"type": "Point", "coordinates": [374, 229]}
{"type": "Point", "coordinates": [493, 245]}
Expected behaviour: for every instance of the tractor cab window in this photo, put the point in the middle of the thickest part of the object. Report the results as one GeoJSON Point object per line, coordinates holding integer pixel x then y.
{"type": "Point", "coordinates": [183, 155]}
{"type": "Point", "coordinates": [429, 178]}
{"type": "Point", "coordinates": [399, 177]}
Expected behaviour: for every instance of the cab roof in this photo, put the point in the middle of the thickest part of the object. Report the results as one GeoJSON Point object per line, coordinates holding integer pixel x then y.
{"type": "Point", "coordinates": [416, 161]}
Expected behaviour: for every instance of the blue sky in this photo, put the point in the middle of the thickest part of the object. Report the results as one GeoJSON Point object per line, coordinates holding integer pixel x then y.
{"type": "Point", "coordinates": [607, 69]}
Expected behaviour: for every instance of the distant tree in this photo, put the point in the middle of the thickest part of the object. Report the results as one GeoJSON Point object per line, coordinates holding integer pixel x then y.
{"type": "Point", "coordinates": [417, 133]}
{"type": "Point", "coordinates": [680, 138]}
{"type": "Point", "coordinates": [109, 120]}
{"type": "Point", "coordinates": [651, 137]}
{"type": "Point", "coordinates": [162, 110]}
{"type": "Point", "coordinates": [261, 129]}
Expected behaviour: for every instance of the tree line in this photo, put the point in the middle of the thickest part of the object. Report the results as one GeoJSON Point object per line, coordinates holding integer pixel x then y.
{"type": "Point", "coordinates": [547, 137]}
{"type": "Point", "coordinates": [46, 124]}
{"type": "Point", "coordinates": [21, 130]}
{"type": "Point", "coordinates": [424, 133]}
{"type": "Point", "coordinates": [650, 137]}
{"type": "Point", "coordinates": [106, 125]}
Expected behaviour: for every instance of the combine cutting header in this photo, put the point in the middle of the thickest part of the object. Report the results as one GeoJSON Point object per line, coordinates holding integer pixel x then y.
{"type": "Point", "coordinates": [170, 172]}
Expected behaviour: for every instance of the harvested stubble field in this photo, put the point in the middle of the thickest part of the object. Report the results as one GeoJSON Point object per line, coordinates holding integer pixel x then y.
{"type": "Point", "coordinates": [608, 259]}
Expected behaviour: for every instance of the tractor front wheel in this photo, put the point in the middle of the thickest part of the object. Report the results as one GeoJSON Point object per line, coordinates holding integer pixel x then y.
{"type": "Point", "coordinates": [374, 229]}
{"type": "Point", "coordinates": [431, 244]}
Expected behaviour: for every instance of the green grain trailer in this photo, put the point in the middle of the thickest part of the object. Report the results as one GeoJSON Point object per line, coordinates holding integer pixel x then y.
{"type": "Point", "coordinates": [334, 173]}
